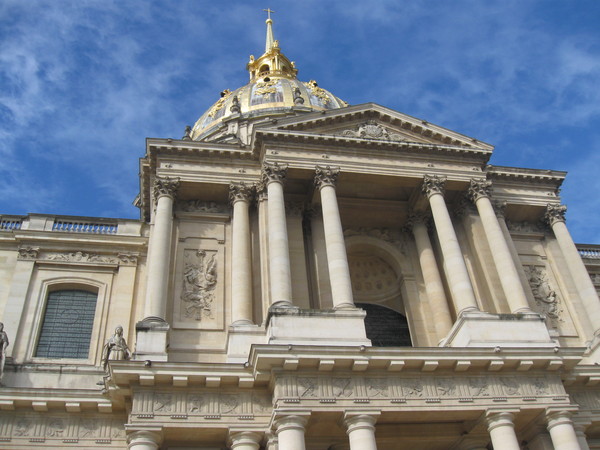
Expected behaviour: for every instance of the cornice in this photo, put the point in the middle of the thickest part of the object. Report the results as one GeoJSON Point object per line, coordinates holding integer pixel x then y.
{"type": "Point", "coordinates": [551, 177]}
{"type": "Point", "coordinates": [261, 136]}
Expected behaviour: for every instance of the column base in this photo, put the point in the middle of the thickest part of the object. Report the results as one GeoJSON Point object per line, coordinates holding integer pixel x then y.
{"type": "Point", "coordinates": [317, 327]}
{"type": "Point", "coordinates": [479, 329]}
{"type": "Point", "coordinates": [152, 339]}
{"type": "Point", "coordinates": [240, 339]}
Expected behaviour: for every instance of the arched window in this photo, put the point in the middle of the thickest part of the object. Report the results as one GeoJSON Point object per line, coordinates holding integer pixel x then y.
{"type": "Point", "coordinates": [67, 326]}
{"type": "Point", "coordinates": [385, 327]}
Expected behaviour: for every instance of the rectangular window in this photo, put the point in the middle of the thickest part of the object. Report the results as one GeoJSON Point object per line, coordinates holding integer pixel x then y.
{"type": "Point", "coordinates": [67, 327]}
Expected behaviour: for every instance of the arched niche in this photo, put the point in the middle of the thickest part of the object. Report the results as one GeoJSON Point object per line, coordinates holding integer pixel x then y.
{"type": "Point", "coordinates": [380, 273]}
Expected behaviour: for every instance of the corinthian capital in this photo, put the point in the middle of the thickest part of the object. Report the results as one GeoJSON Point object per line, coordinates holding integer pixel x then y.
{"type": "Point", "coordinates": [240, 192]}
{"type": "Point", "coordinates": [555, 213]}
{"type": "Point", "coordinates": [432, 184]}
{"type": "Point", "coordinates": [165, 186]}
{"type": "Point", "coordinates": [418, 217]}
{"type": "Point", "coordinates": [479, 188]}
{"type": "Point", "coordinates": [326, 176]}
{"type": "Point", "coordinates": [273, 172]}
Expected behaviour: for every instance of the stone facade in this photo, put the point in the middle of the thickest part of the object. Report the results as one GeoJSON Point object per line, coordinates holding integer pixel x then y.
{"type": "Point", "coordinates": [237, 293]}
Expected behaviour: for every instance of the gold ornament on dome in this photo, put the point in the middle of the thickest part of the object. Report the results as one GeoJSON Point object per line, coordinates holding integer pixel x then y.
{"type": "Point", "coordinates": [318, 92]}
{"type": "Point", "coordinates": [265, 88]}
{"type": "Point", "coordinates": [217, 106]}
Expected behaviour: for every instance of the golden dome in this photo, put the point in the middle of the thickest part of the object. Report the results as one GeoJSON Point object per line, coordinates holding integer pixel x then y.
{"type": "Point", "coordinates": [273, 90]}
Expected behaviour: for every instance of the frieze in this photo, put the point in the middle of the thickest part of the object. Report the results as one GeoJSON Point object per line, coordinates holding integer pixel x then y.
{"type": "Point", "coordinates": [206, 404]}
{"type": "Point", "coordinates": [60, 427]}
{"type": "Point", "coordinates": [80, 257]}
{"type": "Point", "coordinates": [299, 389]}
{"type": "Point", "coordinates": [525, 226]}
{"type": "Point", "coordinates": [202, 207]}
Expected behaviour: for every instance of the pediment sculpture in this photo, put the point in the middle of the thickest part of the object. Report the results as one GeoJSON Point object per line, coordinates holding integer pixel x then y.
{"type": "Point", "coordinates": [373, 130]}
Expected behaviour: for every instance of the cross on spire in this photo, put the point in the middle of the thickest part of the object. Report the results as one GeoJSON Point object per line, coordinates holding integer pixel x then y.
{"type": "Point", "coordinates": [268, 11]}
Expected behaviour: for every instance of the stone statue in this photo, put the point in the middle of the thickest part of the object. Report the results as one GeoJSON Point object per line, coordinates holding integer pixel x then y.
{"type": "Point", "coordinates": [3, 344]}
{"type": "Point", "coordinates": [115, 348]}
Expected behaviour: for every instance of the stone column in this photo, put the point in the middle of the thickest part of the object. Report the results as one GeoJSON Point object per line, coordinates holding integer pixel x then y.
{"type": "Point", "coordinates": [244, 440]}
{"type": "Point", "coordinates": [502, 430]}
{"type": "Point", "coordinates": [479, 193]}
{"type": "Point", "coordinates": [290, 432]}
{"type": "Point", "coordinates": [562, 431]}
{"type": "Point", "coordinates": [581, 437]}
{"type": "Point", "coordinates": [161, 238]}
{"type": "Point", "coordinates": [337, 260]}
{"type": "Point", "coordinates": [361, 431]}
{"type": "Point", "coordinates": [460, 285]}
{"type": "Point", "coordinates": [241, 261]}
{"type": "Point", "coordinates": [555, 216]}
{"type": "Point", "coordinates": [144, 440]}
{"type": "Point", "coordinates": [279, 255]}
{"type": "Point", "coordinates": [431, 275]}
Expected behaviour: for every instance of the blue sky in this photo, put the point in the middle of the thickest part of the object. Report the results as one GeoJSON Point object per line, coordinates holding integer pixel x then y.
{"type": "Point", "coordinates": [84, 82]}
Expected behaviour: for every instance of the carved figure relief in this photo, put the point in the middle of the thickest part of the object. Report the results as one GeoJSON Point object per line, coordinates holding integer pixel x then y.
{"type": "Point", "coordinates": [81, 257]}
{"type": "Point", "coordinates": [511, 386]}
{"type": "Point", "coordinates": [445, 387]}
{"type": "Point", "coordinates": [55, 428]}
{"type": "Point", "coordinates": [545, 295]}
{"type": "Point", "coordinates": [199, 282]}
{"type": "Point", "coordinates": [525, 226]}
{"type": "Point", "coordinates": [229, 403]}
{"type": "Point", "coordinates": [308, 387]}
{"type": "Point", "coordinates": [479, 387]}
{"type": "Point", "coordinates": [23, 427]}
{"type": "Point", "coordinates": [201, 206]}
{"type": "Point", "coordinates": [196, 403]}
{"type": "Point", "coordinates": [163, 403]}
{"type": "Point", "coordinates": [377, 387]}
{"type": "Point", "coordinates": [413, 388]}
{"type": "Point", "coordinates": [88, 428]}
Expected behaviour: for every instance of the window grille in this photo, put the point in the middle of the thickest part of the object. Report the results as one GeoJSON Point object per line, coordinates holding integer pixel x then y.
{"type": "Point", "coordinates": [67, 327]}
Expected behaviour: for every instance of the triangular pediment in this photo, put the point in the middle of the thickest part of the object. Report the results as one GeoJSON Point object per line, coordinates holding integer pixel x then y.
{"type": "Point", "coordinates": [370, 121]}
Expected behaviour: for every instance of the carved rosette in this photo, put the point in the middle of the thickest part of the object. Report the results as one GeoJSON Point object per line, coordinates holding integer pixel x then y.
{"type": "Point", "coordinates": [326, 176]}
{"type": "Point", "coordinates": [28, 253]}
{"type": "Point", "coordinates": [273, 172]}
{"type": "Point", "coordinates": [165, 187]}
{"type": "Point", "coordinates": [433, 184]}
{"type": "Point", "coordinates": [555, 213]}
{"type": "Point", "coordinates": [479, 188]}
{"type": "Point", "coordinates": [240, 192]}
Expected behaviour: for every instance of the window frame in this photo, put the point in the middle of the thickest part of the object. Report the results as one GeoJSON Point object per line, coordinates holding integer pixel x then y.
{"type": "Point", "coordinates": [69, 283]}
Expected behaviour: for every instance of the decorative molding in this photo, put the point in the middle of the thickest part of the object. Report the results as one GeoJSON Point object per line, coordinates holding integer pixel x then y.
{"type": "Point", "coordinates": [240, 192]}
{"type": "Point", "coordinates": [525, 226]}
{"type": "Point", "coordinates": [273, 172]}
{"type": "Point", "coordinates": [433, 184]}
{"type": "Point", "coordinates": [373, 130]}
{"type": "Point", "coordinates": [318, 92]}
{"type": "Point", "coordinates": [28, 253]}
{"type": "Point", "coordinates": [326, 176]}
{"type": "Point", "coordinates": [128, 259]}
{"type": "Point", "coordinates": [479, 188]}
{"type": "Point", "coordinates": [555, 213]}
{"type": "Point", "coordinates": [165, 187]}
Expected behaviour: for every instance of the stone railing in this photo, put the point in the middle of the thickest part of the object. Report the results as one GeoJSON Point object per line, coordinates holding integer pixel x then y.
{"type": "Point", "coordinates": [70, 224]}
{"type": "Point", "coordinates": [85, 227]}
{"type": "Point", "coordinates": [10, 223]}
{"type": "Point", "coordinates": [588, 251]}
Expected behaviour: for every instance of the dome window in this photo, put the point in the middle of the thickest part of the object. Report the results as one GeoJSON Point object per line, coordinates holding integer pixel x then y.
{"type": "Point", "coordinates": [264, 68]}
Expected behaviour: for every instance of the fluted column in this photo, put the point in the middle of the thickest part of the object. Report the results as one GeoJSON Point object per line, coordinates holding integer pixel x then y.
{"type": "Point", "coordinates": [144, 440]}
{"type": "Point", "coordinates": [290, 432]}
{"type": "Point", "coordinates": [555, 216]}
{"type": "Point", "coordinates": [456, 270]}
{"type": "Point", "coordinates": [562, 431]}
{"type": "Point", "coordinates": [361, 431]}
{"type": "Point", "coordinates": [337, 259]}
{"type": "Point", "coordinates": [159, 262]}
{"type": "Point", "coordinates": [244, 440]}
{"type": "Point", "coordinates": [431, 275]}
{"type": "Point", "coordinates": [279, 254]}
{"type": "Point", "coordinates": [479, 193]}
{"type": "Point", "coordinates": [502, 430]}
{"type": "Point", "coordinates": [241, 261]}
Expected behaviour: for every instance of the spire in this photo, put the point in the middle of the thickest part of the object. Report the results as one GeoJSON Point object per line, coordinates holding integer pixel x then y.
{"type": "Point", "coordinates": [272, 63]}
{"type": "Point", "coordinates": [269, 22]}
